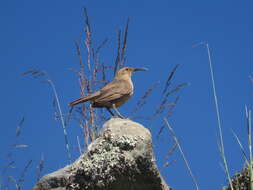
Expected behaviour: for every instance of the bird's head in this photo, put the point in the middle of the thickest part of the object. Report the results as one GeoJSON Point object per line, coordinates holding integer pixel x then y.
{"type": "Point", "coordinates": [127, 72]}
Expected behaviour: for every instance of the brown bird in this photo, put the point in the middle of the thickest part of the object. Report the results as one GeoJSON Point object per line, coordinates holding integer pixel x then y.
{"type": "Point", "coordinates": [114, 94]}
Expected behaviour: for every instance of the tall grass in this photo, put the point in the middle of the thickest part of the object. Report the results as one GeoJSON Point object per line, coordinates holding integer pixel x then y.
{"type": "Point", "coordinates": [8, 178]}
{"type": "Point", "coordinates": [92, 74]}
{"type": "Point", "coordinates": [221, 142]}
{"type": "Point", "coordinates": [182, 153]}
{"type": "Point", "coordinates": [40, 73]}
{"type": "Point", "coordinates": [249, 126]}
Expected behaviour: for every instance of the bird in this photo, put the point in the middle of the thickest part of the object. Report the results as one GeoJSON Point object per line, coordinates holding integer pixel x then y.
{"type": "Point", "coordinates": [114, 94]}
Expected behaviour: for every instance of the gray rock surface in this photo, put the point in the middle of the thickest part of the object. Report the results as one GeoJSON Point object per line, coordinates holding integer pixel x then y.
{"type": "Point", "coordinates": [121, 158]}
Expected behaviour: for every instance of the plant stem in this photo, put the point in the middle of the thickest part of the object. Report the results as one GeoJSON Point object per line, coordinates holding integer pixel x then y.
{"type": "Point", "coordinates": [218, 116]}
{"type": "Point", "coordinates": [182, 153]}
{"type": "Point", "coordinates": [62, 120]}
{"type": "Point", "coordinates": [248, 116]}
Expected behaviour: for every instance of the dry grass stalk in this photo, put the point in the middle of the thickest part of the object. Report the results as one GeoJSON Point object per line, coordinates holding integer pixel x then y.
{"type": "Point", "coordinates": [40, 167]}
{"type": "Point", "coordinates": [169, 154]}
{"type": "Point", "coordinates": [7, 180]}
{"type": "Point", "coordinates": [164, 106]}
{"type": "Point", "coordinates": [88, 80]}
{"type": "Point", "coordinates": [121, 52]}
{"type": "Point", "coordinates": [18, 129]}
{"type": "Point", "coordinates": [117, 61]}
{"type": "Point", "coordinates": [143, 100]}
{"type": "Point", "coordinates": [79, 145]}
{"type": "Point", "coordinates": [172, 133]}
{"type": "Point", "coordinates": [170, 76]}
{"type": "Point", "coordinates": [91, 77]}
{"type": "Point", "coordinates": [88, 37]}
{"type": "Point", "coordinates": [23, 173]}
{"type": "Point", "coordinates": [217, 109]}
{"type": "Point", "coordinates": [40, 73]}
{"type": "Point", "coordinates": [170, 108]}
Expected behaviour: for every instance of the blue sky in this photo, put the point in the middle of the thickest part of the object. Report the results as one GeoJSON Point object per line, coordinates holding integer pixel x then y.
{"type": "Point", "coordinates": [41, 35]}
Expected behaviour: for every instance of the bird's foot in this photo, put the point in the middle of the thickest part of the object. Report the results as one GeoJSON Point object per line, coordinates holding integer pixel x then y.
{"type": "Point", "coordinates": [117, 112]}
{"type": "Point", "coordinates": [119, 116]}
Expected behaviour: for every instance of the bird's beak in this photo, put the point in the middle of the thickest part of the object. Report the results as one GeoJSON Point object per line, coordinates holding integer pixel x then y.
{"type": "Point", "coordinates": [140, 69]}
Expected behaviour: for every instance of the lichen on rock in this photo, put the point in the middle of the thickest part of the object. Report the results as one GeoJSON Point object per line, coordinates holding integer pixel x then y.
{"type": "Point", "coordinates": [121, 158]}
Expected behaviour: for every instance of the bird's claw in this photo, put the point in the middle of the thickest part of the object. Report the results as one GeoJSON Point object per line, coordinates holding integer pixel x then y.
{"type": "Point", "coordinates": [119, 116]}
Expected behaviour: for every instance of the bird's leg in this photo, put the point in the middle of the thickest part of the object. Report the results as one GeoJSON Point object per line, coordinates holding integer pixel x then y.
{"type": "Point", "coordinates": [116, 110]}
{"type": "Point", "coordinates": [110, 111]}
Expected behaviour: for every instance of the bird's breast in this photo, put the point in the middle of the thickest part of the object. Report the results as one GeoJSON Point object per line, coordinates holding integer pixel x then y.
{"type": "Point", "coordinates": [131, 86]}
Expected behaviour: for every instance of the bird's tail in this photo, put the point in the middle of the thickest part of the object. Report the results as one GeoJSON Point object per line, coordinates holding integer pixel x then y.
{"type": "Point", "coordinates": [84, 99]}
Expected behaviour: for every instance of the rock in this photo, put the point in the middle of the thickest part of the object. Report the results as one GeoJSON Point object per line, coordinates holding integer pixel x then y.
{"type": "Point", "coordinates": [241, 180]}
{"type": "Point", "coordinates": [121, 158]}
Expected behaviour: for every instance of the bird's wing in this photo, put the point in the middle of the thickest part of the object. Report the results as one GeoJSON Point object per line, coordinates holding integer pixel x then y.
{"type": "Point", "coordinates": [114, 90]}
{"type": "Point", "coordinates": [85, 99]}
